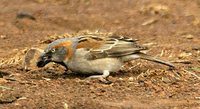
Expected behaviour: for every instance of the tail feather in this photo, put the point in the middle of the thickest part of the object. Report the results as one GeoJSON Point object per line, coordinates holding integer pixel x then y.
{"type": "Point", "coordinates": [150, 58]}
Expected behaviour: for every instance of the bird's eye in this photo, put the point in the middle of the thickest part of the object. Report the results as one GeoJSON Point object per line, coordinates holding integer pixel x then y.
{"type": "Point", "coordinates": [53, 50]}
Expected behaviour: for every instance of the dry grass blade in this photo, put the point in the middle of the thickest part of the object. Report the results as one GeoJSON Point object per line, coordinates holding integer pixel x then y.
{"type": "Point", "coordinates": [182, 61]}
{"type": "Point", "coordinates": [4, 87]}
{"type": "Point", "coordinates": [149, 22]}
{"type": "Point", "coordinates": [14, 59]}
{"type": "Point", "coordinates": [192, 73]}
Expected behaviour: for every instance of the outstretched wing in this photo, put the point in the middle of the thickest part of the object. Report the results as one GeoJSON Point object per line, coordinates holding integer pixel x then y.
{"type": "Point", "coordinates": [113, 46]}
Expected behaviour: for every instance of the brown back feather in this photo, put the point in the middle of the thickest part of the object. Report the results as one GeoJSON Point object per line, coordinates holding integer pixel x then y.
{"type": "Point", "coordinates": [114, 46]}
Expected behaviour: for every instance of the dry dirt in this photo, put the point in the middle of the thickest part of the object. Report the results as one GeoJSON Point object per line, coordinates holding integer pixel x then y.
{"type": "Point", "coordinates": [170, 28]}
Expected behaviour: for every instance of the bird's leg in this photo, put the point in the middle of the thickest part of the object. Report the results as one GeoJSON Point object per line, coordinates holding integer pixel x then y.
{"type": "Point", "coordinates": [102, 78]}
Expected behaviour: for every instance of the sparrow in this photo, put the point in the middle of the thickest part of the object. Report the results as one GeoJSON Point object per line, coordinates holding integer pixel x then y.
{"type": "Point", "coordinates": [94, 55]}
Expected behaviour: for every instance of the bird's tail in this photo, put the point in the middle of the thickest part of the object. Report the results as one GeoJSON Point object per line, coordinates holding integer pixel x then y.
{"type": "Point", "coordinates": [150, 58]}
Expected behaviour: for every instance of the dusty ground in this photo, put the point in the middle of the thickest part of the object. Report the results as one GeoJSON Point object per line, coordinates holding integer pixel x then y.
{"type": "Point", "coordinates": [171, 30]}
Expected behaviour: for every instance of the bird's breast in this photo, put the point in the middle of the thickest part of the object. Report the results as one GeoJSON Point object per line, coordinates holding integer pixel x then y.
{"type": "Point", "coordinates": [82, 65]}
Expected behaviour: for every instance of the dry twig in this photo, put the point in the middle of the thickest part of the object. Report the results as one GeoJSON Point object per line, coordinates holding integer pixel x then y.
{"type": "Point", "coordinates": [192, 73]}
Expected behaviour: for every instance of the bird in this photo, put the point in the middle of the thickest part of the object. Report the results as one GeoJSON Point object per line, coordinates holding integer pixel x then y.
{"type": "Point", "coordinates": [95, 55]}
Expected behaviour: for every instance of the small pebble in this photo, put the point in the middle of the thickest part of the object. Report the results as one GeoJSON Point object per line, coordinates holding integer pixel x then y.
{"type": "Point", "coordinates": [198, 98]}
{"type": "Point", "coordinates": [3, 36]}
{"type": "Point", "coordinates": [121, 79]}
{"type": "Point", "coordinates": [66, 106]}
{"type": "Point", "coordinates": [189, 36]}
{"type": "Point", "coordinates": [131, 79]}
{"type": "Point", "coordinates": [47, 79]}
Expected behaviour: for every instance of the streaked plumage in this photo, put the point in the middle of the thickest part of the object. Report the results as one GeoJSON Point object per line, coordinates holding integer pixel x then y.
{"type": "Point", "coordinates": [94, 54]}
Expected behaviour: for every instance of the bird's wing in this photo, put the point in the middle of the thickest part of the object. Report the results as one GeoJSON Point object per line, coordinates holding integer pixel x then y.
{"type": "Point", "coordinates": [113, 46]}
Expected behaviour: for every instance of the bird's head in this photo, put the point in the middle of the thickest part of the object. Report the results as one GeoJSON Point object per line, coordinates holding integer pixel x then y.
{"type": "Point", "coordinates": [59, 51]}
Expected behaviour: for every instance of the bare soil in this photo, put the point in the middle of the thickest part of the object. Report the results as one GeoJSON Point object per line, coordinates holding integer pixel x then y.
{"type": "Point", "coordinates": [170, 28]}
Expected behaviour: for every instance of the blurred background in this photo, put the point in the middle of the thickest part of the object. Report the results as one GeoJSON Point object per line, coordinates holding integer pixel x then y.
{"type": "Point", "coordinates": [146, 19]}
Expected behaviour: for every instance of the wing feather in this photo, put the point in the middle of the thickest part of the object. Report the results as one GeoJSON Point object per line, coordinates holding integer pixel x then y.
{"type": "Point", "coordinates": [113, 46]}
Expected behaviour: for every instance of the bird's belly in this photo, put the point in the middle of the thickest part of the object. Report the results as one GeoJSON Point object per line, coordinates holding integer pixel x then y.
{"type": "Point", "coordinates": [95, 66]}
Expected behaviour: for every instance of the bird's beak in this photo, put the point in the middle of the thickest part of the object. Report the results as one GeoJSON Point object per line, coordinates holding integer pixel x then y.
{"type": "Point", "coordinates": [43, 60]}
